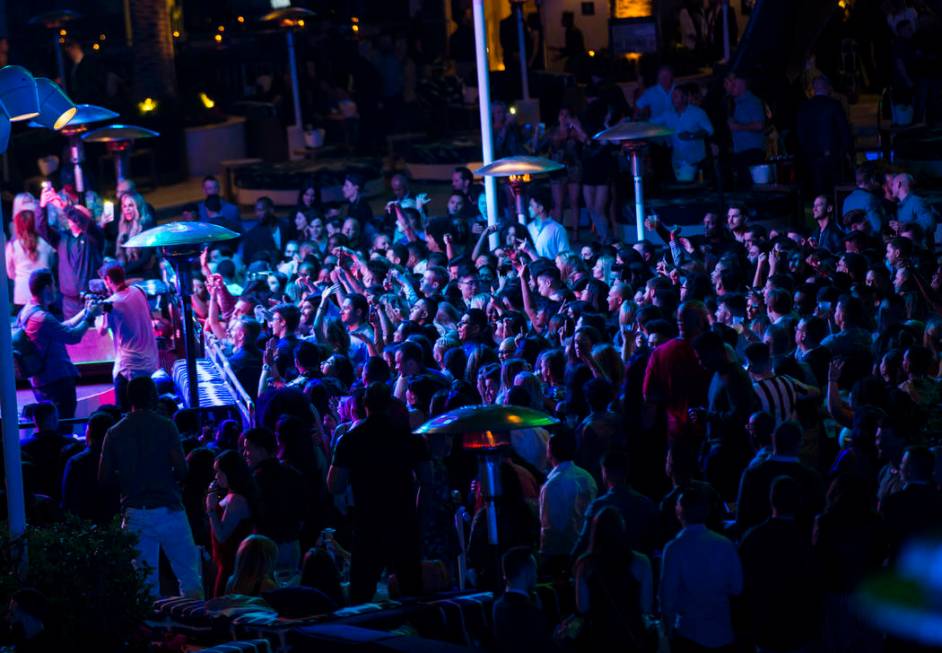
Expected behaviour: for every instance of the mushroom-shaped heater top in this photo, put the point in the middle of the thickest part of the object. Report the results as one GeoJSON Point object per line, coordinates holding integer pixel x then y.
{"type": "Point", "coordinates": [632, 131]}
{"type": "Point", "coordinates": [518, 166]}
{"type": "Point", "coordinates": [181, 234]}
{"type": "Point", "coordinates": [118, 133]}
{"type": "Point", "coordinates": [289, 16]}
{"type": "Point", "coordinates": [85, 114]}
{"type": "Point", "coordinates": [485, 428]}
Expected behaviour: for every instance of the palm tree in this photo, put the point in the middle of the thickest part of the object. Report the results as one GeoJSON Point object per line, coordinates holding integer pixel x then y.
{"type": "Point", "coordinates": [154, 73]}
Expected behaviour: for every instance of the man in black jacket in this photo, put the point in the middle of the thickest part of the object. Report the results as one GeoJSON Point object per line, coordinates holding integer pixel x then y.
{"type": "Point", "coordinates": [638, 511]}
{"type": "Point", "coordinates": [281, 494]}
{"type": "Point", "coordinates": [917, 508]}
{"type": "Point", "coordinates": [45, 448]}
{"type": "Point", "coordinates": [753, 505]}
{"type": "Point", "coordinates": [268, 237]}
{"type": "Point", "coordinates": [824, 138]}
{"type": "Point", "coordinates": [781, 589]}
{"type": "Point", "coordinates": [81, 494]}
{"type": "Point", "coordinates": [519, 625]}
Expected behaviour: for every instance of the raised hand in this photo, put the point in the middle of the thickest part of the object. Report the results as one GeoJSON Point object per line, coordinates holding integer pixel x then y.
{"type": "Point", "coordinates": [270, 353]}
{"type": "Point", "coordinates": [835, 369]}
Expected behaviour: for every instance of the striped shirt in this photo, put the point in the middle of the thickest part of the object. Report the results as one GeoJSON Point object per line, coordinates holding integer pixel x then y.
{"type": "Point", "coordinates": [777, 397]}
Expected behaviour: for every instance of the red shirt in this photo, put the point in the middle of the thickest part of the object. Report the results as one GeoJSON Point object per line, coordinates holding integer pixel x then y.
{"type": "Point", "coordinates": [675, 380]}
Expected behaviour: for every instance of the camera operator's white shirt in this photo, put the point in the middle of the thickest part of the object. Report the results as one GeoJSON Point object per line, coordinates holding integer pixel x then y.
{"type": "Point", "coordinates": [135, 345]}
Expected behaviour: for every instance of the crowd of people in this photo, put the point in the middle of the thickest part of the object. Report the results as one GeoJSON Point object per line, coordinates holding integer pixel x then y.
{"type": "Point", "coordinates": [746, 415]}
{"type": "Point", "coordinates": [749, 416]}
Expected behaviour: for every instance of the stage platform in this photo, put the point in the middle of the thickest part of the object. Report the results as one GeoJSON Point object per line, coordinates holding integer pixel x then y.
{"type": "Point", "coordinates": [90, 397]}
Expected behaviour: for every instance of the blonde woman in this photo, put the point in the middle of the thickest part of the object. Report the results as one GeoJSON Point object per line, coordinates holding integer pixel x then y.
{"type": "Point", "coordinates": [254, 571]}
{"type": "Point", "coordinates": [135, 218]}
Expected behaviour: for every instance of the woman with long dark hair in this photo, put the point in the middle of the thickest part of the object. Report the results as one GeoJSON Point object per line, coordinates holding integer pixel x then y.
{"type": "Point", "coordinates": [309, 201]}
{"type": "Point", "coordinates": [25, 253]}
{"type": "Point", "coordinates": [614, 587]}
{"type": "Point", "coordinates": [231, 505]}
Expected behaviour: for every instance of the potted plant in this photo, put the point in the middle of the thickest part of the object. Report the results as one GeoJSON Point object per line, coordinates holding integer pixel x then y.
{"type": "Point", "coordinates": [96, 598]}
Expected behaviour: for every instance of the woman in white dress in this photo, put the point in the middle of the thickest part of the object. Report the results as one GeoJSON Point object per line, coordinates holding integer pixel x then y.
{"type": "Point", "coordinates": [25, 253]}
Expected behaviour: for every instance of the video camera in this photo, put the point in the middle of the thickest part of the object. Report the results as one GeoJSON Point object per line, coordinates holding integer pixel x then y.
{"type": "Point", "coordinates": [97, 294]}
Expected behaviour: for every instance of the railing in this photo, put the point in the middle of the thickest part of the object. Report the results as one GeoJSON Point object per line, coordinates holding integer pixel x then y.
{"type": "Point", "coordinates": [245, 403]}
{"type": "Point", "coordinates": [73, 421]}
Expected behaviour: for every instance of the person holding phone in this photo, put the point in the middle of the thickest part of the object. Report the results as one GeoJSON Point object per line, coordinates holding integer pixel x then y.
{"type": "Point", "coordinates": [79, 248]}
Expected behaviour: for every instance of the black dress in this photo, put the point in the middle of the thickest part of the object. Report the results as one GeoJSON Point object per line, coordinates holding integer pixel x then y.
{"type": "Point", "coordinates": [597, 163]}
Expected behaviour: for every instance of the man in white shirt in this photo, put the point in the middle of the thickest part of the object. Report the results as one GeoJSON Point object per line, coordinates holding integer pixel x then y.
{"type": "Point", "coordinates": [548, 236]}
{"type": "Point", "coordinates": [700, 573]}
{"type": "Point", "coordinates": [564, 500]}
{"type": "Point", "coordinates": [691, 126]}
{"type": "Point", "coordinates": [655, 101]}
{"type": "Point", "coordinates": [127, 314]}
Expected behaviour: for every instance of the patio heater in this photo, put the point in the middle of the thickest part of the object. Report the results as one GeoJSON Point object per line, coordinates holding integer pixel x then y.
{"type": "Point", "coordinates": [485, 430]}
{"type": "Point", "coordinates": [519, 171]}
{"type": "Point", "coordinates": [85, 115]}
{"type": "Point", "coordinates": [633, 136]}
{"type": "Point", "coordinates": [119, 139]}
{"type": "Point", "coordinates": [291, 19]}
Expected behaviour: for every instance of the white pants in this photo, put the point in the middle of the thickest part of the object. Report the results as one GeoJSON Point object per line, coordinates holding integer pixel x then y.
{"type": "Point", "coordinates": [162, 528]}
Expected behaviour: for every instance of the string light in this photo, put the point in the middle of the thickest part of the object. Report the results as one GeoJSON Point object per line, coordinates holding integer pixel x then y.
{"type": "Point", "coordinates": [176, 34]}
{"type": "Point", "coordinates": [221, 28]}
{"type": "Point", "coordinates": [240, 19]}
{"type": "Point", "coordinates": [95, 46]}
{"type": "Point", "coordinates": [207, 101]}
{"type": "Point", "coordinates": [218, 38]}
{"type": "Point", "coordinates": [591, 53]}
{"type": "Point", "coordinates": [63, 32]}
{"type": "Point", "coordinates": [355, 28]}
{"type": "Point", "coordinates": [101, 37]}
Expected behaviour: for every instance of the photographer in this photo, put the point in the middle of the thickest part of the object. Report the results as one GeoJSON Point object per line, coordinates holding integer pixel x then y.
{"type": "Point", "coordinates": [127, 314]}
{"type": "Point", "coordinates": [55, 381]}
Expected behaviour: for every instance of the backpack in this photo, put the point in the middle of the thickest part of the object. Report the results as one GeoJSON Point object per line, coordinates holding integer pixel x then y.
{"type": "Point", "coordinates": [27, 361]}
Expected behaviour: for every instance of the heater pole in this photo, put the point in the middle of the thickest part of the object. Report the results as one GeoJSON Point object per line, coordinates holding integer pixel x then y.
{"type": "Point", "coordinates": [484, 104]}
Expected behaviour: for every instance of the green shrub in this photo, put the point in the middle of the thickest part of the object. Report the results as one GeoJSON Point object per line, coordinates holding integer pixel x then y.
{"type": "Point", "coordinates": [96, 597]}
